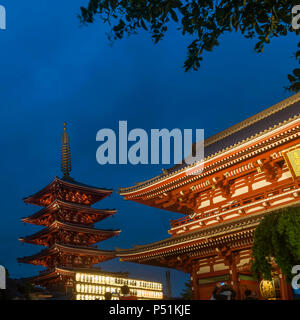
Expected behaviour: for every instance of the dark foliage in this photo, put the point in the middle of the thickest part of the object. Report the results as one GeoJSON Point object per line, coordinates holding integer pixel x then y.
{"type": "Point", "coordinates": [187, 293]}
{"type": "Point", "coordinates": [204, 20]}
{"type": "Point", "coordinates": [277, 237]}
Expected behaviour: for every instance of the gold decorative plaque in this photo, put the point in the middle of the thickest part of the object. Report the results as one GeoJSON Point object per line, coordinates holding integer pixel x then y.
{"type": "Point", "coordinates": [292, 158]}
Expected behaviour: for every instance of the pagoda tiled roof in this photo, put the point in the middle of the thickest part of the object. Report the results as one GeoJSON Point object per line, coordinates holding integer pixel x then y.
{"type": "Point", "coordinates": [78, 250]}
{"type": "Point", "coordinates": [64, 204]}
{"type": "Point", "coordinates": [72, 184]}
{"type": "Point", "coordinates": [265, 121]}
{"type": "Point", "coordinates": [71, 227]}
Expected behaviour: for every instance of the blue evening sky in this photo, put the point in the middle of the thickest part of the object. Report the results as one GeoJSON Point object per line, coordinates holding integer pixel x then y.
{"type": "Point", "coordinates": [54, 70]}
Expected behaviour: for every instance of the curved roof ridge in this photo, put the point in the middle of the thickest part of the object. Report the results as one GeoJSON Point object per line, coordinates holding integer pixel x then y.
{"type": "Point", "coordinates": [72, 204]}
{"type": "Point", "coordinates": [70, 183]}
{"type": "Point", "coordinates": [253, 119]}
{"type": "Point", "coordinates": [58, 246]}
{"type": "Point", "coordinates": [226, 134]}
{"type": "Point", "coordinates": [82, 227]}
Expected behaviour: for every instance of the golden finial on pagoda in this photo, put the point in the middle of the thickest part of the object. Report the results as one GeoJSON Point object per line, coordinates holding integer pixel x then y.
{"type": "Point", "coordinates": [65, 154]}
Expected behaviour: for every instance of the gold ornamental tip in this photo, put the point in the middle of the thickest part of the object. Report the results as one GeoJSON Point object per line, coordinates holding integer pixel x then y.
{"type": "Point", "coordinates": [65, 153]}
{"type": "Point", "coordinates": [65, 137]}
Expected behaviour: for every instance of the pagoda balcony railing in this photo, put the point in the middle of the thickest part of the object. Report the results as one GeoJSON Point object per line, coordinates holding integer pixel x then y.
{"type": "Point", "coordinates": [194, 217]}
{"type": "Point", "coordinates": [184, 220]}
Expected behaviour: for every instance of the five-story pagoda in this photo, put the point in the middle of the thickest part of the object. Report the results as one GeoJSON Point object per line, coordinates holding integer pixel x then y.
{"type": "Point", "coordinates": [69, 235]}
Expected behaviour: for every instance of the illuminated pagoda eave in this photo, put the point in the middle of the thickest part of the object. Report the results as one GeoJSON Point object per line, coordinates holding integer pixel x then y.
{"type": "Point", "coordinates": [54, 274]}
{"type": "Point", "coordinates": [52, 212]}
{"type": "Point", "coordinates": [74, 192]}
{"type": "Point", "coordinates": [44, 237]}
{"type": "Point", "coordinates": [63, 252]}
{"type": "Point", "coordinates": [49, 275]}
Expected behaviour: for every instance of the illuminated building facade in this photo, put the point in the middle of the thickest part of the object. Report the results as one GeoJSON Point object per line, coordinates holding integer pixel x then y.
{"type": "Point", "coordinates": [250, 169]}
{"type": "Point", "coordinates": [92, 286]}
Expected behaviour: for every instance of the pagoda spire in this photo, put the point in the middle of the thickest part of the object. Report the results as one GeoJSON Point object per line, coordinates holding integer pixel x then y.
{"type": "Point", "coordinates": [69, 235]}
{"type": "Point", "coordinates": [65, 154]}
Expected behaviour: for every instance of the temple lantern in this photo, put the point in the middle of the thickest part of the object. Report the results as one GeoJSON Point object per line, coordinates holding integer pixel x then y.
{"type": "Point", "coordinates": [269, 289]}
